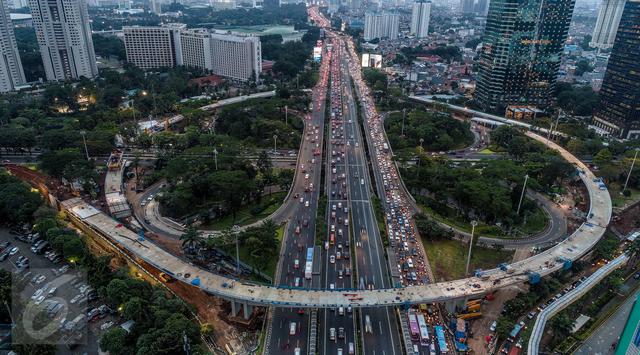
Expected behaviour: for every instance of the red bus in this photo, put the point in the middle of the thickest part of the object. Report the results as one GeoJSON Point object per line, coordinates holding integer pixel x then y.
{"type": "Point", "coordinates": [332, 238]}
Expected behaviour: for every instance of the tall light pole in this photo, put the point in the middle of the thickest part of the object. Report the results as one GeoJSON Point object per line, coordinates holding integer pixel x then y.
{"type": "Point", "coordinates": [215, 157]}
{"type": "Point", "coordinates": [275, 140]}
{"type": "Point", "coordinates": [473, 229]}
{"type": "Point", "coordinates": [286, 113]}
{"type": "Point", "coordinates": [404, 113]}
{"type": "Point", "coordinates": [524, 188]}
{"type": "Point", "coordinates": [84, 141]}
{"type": "Point", "coordinates": [630, 170]}
{"type": "Point", "coordinates": [236, 231]}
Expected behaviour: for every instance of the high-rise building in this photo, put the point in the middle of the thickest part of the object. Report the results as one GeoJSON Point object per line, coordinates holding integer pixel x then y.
{"type": "Point", "coordinates": [385, 25]}
{"type": "Point", "coordinates": [619, 109]}
{"type": "Point", "coordinates": [608, 19]}
{"type": "Point", "coordinates": [170, 45]}
{"type": "Point", "coordinates": [149, 47]}
{"type": "Point", "coordinates": [481, 7]}
{"type": "Point", "coordinates": [467, 6]}
{"type": "Point", "coordinates": [521, 51]}
{"type": "Point", "coordinates": [236, 57]}
{"type": "Point", "coordinates": [11, 73]}
{"type": "Point", "coordinates": [64, 37]}
{"type": "Point", "coordinates": [155, 7]}
{"type": "Point", "coordinates": [629, 342]}
{"type": "Point", "coordinates": [420, 16]}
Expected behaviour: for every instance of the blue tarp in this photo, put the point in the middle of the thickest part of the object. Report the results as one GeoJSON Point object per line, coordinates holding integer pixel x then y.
{"type": "Point", "coordinates": [195, 282]}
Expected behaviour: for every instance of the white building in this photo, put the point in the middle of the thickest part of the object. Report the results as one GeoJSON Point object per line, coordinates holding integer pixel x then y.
{"type": "Point", "coordinates": [385, 25]}
{"type": "Point", "coordinates": [151, 47]}
{"type": "Point", "coordinates": [155, 7]}
{"type": "Point", "coordinates": [11, 73]}
{"type": "Point", "coordinates": [420, 16]}
{"type": "Point", "coordinates": [236, 57]}
{"type": "Point", "coordinates": [607, 24]}
{"type": "Point", "coordinates": [64, 37]}
{"type": "Point", "coordinates": [170, 45]}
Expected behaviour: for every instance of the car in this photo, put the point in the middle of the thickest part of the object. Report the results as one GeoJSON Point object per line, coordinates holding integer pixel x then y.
{"type": "Point", "coordinates": [493, 326]}
{"type": "Point", "coordinates": [39, 299]}
{"type": "Point", "coordinates": [106, 325]}
{"type": "Point", "coordinates": [40, 279]}
{"type": "Point", "coordinates": [332, 259]}
{"type": "Point", "coordinates": [341, 333]}
{"type": "Point", "coordinates": [76, 299]}
{"type": "Point", "coordinates": [332, 334]}
{"type": "Point", "coordinates": [14, 251]}
{"type": "Point", "coordinates": [4, 256]}
{"type": "Point", "coordinates": [37, 294]}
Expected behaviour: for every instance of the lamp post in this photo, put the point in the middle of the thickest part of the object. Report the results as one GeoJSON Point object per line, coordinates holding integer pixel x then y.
{"type": "Point", "coordinates": [215, 157]}
{"type": "Point", "coordinates": [84, 141]}
{"type": "Point", "coordinates": [286, 114]}
{"type": "Point", "coordinates": [275, 140]}
{"type": "Point", "coordinates": [236, 231]}
{"type": "Point", "coordinates": [630, 170]}
{"type": "Point", "coordinates": [404, 113]}
{"type": "Point", "coordinates": [524, 187]}
{"type": "Point", "coordinates": [473, 229]}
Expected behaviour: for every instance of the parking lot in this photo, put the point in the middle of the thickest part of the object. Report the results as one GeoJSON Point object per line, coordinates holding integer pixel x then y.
{"type": "Point", "coordinates": [62, 295]}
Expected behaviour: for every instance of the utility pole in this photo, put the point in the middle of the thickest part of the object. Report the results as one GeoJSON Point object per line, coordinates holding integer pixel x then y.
{"type": "Point", "coordinates": [275, 139]}
{"type": "Point", "coordinates": [286, 114]}
{"type": "Point", "coordinates": [551, 129]}
{"type": "Point", "coordinates": [524, 188]}
{"type": "Point", "coordinates": [86, 151]}
{"type": "Point", "coordinates": [473, 229]}
{"type": "Point", "coordinates": [630, 170]}
{"type": "Point", "coordinates": [215, 157]}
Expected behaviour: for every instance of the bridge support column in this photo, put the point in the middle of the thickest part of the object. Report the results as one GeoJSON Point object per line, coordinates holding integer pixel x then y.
{"type": "Point", "coordinates": [450, 306]}
{"type": "Point", "coordinates": [246, 308]}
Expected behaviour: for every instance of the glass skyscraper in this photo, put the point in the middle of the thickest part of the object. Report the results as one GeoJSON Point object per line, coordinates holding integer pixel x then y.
{"type": "Point", "coordinates": [619, 108]}
{"type": "Point", "coordinates": [521, 51]}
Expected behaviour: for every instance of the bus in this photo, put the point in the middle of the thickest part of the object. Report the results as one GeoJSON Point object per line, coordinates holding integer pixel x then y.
{"type": "Point", "coordinates": [308, 267]}
{"type": "Point", "coordinates": [413, 327]}
{"type": "Point", "coordinates": [442, 341]}
{"type": "Point", "coordinates": [424, 330]}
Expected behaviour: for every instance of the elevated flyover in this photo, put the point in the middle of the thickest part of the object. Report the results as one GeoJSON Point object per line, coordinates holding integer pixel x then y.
{"type": "Point", "coordinates": [572, 248]}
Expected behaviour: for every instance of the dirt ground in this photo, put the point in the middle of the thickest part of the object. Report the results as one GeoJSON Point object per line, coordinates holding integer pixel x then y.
{"type": "Point", "coordinates": [627, 221]}
{"type": "Point", "coordinates": [491, 310]}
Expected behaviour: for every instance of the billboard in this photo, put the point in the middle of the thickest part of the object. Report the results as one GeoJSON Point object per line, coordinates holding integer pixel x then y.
{"type": "Point", "coordinates": [317, 53]}
{"type": "Point", "coordinates": [371, 60]}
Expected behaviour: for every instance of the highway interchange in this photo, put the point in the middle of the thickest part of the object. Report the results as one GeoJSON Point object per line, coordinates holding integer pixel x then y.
{"type": "Point", "coordinates": [369, 260]}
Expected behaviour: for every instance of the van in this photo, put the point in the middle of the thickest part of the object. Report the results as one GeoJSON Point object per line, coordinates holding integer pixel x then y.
{"type": "Point", "coordinates": [352, 349]}
{"type": "Point", "coordinates": [361, 181]}
{"type": "Point", "coordinates": [341, 311]}
{"type": "Point", "coordinates": [292, 328]}
{"type": "Point", "coordinates": [332, 334]}
{"type": "Point", "coordinates": [367, 324]}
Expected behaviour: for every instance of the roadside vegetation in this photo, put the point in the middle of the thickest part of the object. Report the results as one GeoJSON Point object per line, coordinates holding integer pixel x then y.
{"type": "Point", "coordinates": [439, 131]}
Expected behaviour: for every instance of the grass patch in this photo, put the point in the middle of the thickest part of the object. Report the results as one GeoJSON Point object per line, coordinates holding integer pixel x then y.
{"type": "Point", "coordinates": [448, 258]}
{"type": "Point", "coordinates": [487, 151]}
{"type": "Point", "coordinates": [536, 222]}
{"type": "Point", "coordinates": [246, 257]}
{"type": "Point", "coordinates": [247, 214]}
{"type": "Point", "coordinates": [618, 200]}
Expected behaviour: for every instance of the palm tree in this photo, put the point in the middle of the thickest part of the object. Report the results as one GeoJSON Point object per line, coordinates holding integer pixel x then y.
{"type": "Point", "coordinates": [190, 238]}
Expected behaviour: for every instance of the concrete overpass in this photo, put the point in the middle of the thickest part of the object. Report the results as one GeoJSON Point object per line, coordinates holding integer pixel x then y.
{"type": "Point", "coordinates": [572, 248]}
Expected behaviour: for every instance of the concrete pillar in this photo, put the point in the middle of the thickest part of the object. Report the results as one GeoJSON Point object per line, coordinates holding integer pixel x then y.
{"type": "Point", "coordinates": [247, 310]}
{"type": "Point", "coordinates": [234, 308]}
{"type": "Point", "coordinates": [450, 306]}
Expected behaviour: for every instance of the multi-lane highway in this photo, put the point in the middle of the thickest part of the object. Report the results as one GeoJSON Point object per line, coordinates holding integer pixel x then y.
{"type": "Point", "coordinates": [289, 328]}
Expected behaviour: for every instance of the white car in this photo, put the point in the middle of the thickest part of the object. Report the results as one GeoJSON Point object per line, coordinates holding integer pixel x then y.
{"type": "Point", "coordinates": [76, 299]}
{"type": "Point", "coordinates": [37, 294]}
{"type": "Point", "coordinates": [106, 325]}
{"type": "Point", "coordinates": [332, 259]}
{"type": "Point", "coordinates": [40, 279]}
{"type": "Point", "coordinates": [39, 299]}
{"type": "Point", "coordinates": [306, 203]}
{"type": "Point", "coordinates": [14, 251]}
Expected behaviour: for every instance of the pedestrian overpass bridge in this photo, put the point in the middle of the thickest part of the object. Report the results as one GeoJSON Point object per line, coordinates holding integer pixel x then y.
{"type": "Point", "coordinates": [146, 253]}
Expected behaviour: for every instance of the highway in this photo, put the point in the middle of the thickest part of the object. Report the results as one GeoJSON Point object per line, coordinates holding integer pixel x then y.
{"type": "Point", "coordinates": [300, 229]}
{"type": "Point", "coordinates": [371, 264]}
{"type": "Point", "coordinates": [337, 326]}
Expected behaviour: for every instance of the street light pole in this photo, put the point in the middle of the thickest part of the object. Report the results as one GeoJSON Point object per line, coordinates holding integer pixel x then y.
{"type": "Point", "coordinates": [630, 170]}
{"type": "Point", "coordinates": [84, 141]}
{"type": "Point", "coordinates": [215, 157]}
{"type": "Point", "coordinates": [236, 231]}
{"type": "Point", "coordinates": [404, 113]}
{"type": "Point", "coordinates": [473, 229]}
{"type": "Point", "coordinates": [524, 188]}
{"type": "Point", "coordinates": [275, 139]}
{"type": "Point", "coordinates": [286, 114]}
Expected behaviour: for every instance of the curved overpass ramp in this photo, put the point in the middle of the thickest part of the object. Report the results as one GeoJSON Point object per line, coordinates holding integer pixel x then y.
{"type": "Point", "coordinates": [575, 246]}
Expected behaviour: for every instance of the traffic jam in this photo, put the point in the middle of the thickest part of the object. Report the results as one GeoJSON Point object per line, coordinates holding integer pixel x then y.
{"type": "Point", "coordinates": [402, 238]}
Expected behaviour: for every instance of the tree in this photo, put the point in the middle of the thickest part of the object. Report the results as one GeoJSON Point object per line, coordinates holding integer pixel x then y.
{"type": "Point", "coordinates": [114, 341]}
{"type": "Point", "coordinates": [285, 179]}
{"type": "Point", "coordinates": [190, 239]}
{"type": "Point", "coordinates": [603, 157]}
{"type": "Point", "coordinates": [562, 325]}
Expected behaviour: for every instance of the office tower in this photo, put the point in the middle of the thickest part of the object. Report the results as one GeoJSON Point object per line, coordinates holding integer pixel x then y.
{"type": "Point", "coordinates": [149, 47]}
{"type": "Point", "coordinates": [521, 51]}
{"type": "Point", "coordinates": [236, 57]}
{"type": "Point", "coordinates": [64, 37]}
{"type": "Point", "coordinates": [11, 73]}
{"type": "Point", "coordinates": [18, 4]}
{"type": "Point", "coordinates": [155, 7]}
{"type": "Point", "coordinates": [629, 340]}
{"type": "Point", "coordinates": [170, 45]}
{"type": "Point", "coordinates": [608, 19]}
{"type": "Point", "coordinates": [481, 7]}
{"type": "Point", "coordinates": [467, 7]}
{"type": "Point", "coordinates": [385, 25]}
{"type": "Point", "coordinates": [420, 18]}
{"type": "Point", "coordinates": [619, 109]}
